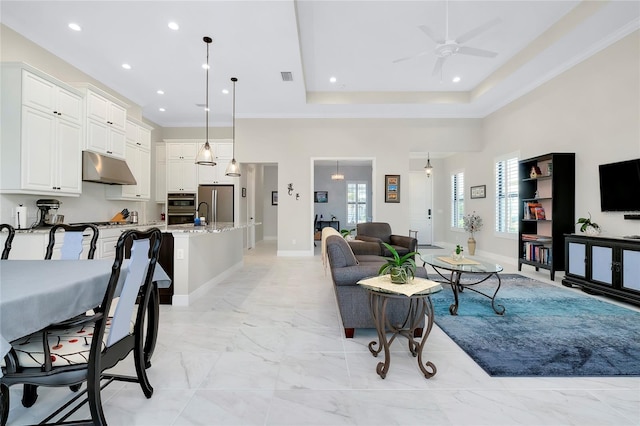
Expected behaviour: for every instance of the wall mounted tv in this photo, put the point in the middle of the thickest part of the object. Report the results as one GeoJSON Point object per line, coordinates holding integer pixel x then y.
{"type": "Point", "coordinates": [620, 186]}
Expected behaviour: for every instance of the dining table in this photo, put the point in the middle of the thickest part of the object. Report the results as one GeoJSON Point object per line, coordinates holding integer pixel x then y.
{"type": "Point", "coordinates": [37, 293]}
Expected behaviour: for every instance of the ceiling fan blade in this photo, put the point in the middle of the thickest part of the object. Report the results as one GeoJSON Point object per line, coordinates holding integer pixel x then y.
{"type": "Point", "coordinates": [464, 50]}
{"type": "Point", "coordinates": [438, 66]}
{"type": "Point", "coordinates": [478, 30]}
{"type": "Point", "coordinates": [430, 34]}
{"type": "Point", "coordinates": [406, 58]}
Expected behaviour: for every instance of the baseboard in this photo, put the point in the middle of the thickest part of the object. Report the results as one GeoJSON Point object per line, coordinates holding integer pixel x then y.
{"type": "Point", "coordinates": [184, 300]}
{"type": "Point", "coordinates": [295, 253]}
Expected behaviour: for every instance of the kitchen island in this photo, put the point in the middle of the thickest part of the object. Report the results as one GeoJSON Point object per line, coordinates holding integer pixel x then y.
{"type": "Point", "coordinates": [203, 256]}
{"type": "Point", "coordinates": [199, 258]}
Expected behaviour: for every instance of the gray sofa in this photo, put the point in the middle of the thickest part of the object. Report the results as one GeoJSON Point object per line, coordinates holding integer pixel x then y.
{"type": "Point", "coordinates": [353, 300]}
{"type": "Point", "coordinates": [380, 232]}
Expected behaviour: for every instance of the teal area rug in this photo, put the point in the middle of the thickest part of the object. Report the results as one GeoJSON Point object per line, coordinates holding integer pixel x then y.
{"type": "Point", "coordinates": [545, 331]}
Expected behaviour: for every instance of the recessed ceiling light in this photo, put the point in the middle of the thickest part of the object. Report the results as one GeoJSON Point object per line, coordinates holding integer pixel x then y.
{"type": "Point", "coordinates": [225, 91]}
{"type": "Point", "coordinates": [161, 109]}
{"type": "Point", "coordinates": [174, 26]}
{"type": "Point", "coordinates": [75, 27]}
{"type": "Point", "coordinates": [333, 79]}
{"type": "Point", "coordinates": [160, 92]}
{"type": "Point", "coordinates": [205, 66]}
{"type": "Point", "coordinates": [456, 79]}
{"type": "Point", "coordinates": [126, 66]}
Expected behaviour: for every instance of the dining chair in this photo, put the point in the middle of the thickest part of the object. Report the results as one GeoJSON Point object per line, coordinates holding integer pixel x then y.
{"type": "Point", "coordinates": [72, 241]}
{"type": "Point", "coordinates": [11, 232]}
{"type": "Point", "coordinates": [82, 352]}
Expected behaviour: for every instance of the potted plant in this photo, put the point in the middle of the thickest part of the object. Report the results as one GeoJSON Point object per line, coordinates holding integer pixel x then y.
{"type": "Point", "coordinates": [588, 227]}
{"type": "Point", "coordinates": [400, 268]}
{"type": "Point", "coordinates": [457, 253]}
{"type": "Point", "coordinates": [346, 234]}
{"type": "Point", "coordinates": [472, 224]}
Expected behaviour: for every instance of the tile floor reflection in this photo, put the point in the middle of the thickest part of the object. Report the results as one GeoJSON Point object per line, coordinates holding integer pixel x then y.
{"type": "Point", "coordinates": [265, 347]}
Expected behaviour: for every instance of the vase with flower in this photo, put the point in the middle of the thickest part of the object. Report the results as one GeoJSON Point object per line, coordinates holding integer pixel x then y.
{"type": "Point", "coordinates": [472, 224]}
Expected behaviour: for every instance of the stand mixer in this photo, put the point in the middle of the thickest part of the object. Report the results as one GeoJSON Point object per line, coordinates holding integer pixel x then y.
{"type": "Point", "coordinates": [45, 218]}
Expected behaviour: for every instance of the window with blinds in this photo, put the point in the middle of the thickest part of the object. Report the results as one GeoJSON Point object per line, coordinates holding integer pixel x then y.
{"type": "Point", "coordinates": [356, 202]}
{"type": "Point", "coordinates": [507, 195]}
{"type": "Point", "coordinates": [457, 200]}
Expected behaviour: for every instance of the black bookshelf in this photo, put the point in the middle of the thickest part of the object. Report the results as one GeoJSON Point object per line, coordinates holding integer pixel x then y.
{"type": "Point", "coordinates": [546, 210]}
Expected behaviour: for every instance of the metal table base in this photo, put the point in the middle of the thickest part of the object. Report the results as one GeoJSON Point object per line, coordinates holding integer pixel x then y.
{"type": "Point", "coordinates": [420, 305]}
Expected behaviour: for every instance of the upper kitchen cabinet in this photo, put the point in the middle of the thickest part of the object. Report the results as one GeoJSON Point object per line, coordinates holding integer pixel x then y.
{"type": "Point", "coordinates": [105, 122]}
{"type": "Point", "coordinates": [182, 172]}
{"type": "Point", "coordinates": [138, 158]}
{"type": "Point", "coordinates": [223, 153]}
{"type": "Point", "coordinates": [42, 128]}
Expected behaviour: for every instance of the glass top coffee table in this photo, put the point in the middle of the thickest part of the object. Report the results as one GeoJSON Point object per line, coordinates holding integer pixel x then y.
{"type": "Point", "coordinates": [457, 267]}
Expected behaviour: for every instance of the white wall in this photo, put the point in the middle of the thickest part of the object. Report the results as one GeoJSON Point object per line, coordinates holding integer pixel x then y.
{"type": "Point", "coordinates": [592, 110]}
{"type": "Point", "coordinates": [270, 212]}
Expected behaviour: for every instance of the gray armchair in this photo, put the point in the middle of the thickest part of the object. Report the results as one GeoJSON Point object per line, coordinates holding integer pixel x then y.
{"type": "Point", "coordinates": [380, 232]}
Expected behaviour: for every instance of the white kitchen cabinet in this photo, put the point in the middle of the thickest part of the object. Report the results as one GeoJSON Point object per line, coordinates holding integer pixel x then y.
{"type": "Point", "coordinates": [42, 115]}
{"type": "Point", "coordinates": [138, 158]}
{"type": "Point", "coordinates": [182, 172]}
{"type": "Point", "coordinates": [105, 122]}
{"type": "Point", "coordinates": [161, 173]}
{"type": "Point", "coordinates": [223, 154]}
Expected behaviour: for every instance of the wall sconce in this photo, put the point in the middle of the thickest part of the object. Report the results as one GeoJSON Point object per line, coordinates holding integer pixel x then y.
{"type": "Point", "coordinates": [290, 189]}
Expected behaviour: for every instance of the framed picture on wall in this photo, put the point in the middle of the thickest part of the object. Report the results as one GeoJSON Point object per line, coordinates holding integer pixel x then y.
{"type": "Point", "coordinates": [479, 191]}
{"type": "Point", "coordinates": [274, 198]}
{"type": "Point", "coordinates": [321, 197]}
{"type": "Point", "coordinates": [391, 188]}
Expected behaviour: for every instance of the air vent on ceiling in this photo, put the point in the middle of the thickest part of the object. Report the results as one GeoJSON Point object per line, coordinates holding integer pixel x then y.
{"type": "Point", "coordinates": [286, 76]}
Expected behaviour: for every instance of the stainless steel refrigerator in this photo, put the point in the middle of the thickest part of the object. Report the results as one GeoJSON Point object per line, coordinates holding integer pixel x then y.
{"type": "Point", "coordinates": [219, 199]}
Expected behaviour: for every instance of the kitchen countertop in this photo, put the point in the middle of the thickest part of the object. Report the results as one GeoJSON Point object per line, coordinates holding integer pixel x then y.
{"type": "Point", "coordinates": [184, 228]}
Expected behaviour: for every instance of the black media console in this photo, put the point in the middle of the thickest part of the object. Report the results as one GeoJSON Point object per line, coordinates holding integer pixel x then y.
{"type": "Point", "coordinates": [604, 265]}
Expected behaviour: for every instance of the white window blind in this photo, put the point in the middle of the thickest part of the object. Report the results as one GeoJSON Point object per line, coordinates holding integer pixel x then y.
{"type": "Point", "coordinates": [507, 195]}
{"type": "Point", "coordinates": [457, 200]}
{"type": "Point", "coordinates": [356, 203]}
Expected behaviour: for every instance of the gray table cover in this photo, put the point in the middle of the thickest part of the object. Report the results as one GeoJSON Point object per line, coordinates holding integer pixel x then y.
{"type": "Point", "coordinates": [37, 293]}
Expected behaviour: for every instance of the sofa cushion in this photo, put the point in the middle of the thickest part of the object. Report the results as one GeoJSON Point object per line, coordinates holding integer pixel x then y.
{"type": "Point", "coordinates": [339, 252]}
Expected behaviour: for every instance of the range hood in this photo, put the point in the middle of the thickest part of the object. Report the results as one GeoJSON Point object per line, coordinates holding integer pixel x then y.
{"type": "Point", "coordinates": [104, 169]}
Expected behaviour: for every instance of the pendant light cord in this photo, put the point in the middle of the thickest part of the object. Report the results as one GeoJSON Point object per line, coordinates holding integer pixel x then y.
{"type": "Point", "coordinates": [207, 40]}
{"type": "Point", "coordinates": [233, 118]}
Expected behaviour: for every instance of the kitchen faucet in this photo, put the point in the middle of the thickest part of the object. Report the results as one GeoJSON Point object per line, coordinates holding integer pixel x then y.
{"type": "Point", "coordinates": [198, 210]}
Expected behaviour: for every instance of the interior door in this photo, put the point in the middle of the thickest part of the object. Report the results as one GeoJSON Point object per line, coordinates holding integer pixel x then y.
{"type": "Point", "coordinates": [421, 206]}
{"type": "Point", "coordinates": [251, 207]}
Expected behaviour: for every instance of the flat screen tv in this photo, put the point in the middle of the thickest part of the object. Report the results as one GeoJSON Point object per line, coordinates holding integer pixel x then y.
{"type": "Point", "coordinates": [620, 186]}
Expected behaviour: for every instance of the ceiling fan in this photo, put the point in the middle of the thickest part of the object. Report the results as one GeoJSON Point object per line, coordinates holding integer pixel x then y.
{"type": "Point", "coordinates": [446, 47]}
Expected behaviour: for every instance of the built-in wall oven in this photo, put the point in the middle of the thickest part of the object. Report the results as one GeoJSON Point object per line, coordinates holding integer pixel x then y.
{"type": "Point", "coordinates": [181, 208]}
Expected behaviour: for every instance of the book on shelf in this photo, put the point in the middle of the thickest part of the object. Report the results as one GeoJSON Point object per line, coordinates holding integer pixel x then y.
{"type": "Point", "coordinates": [534, 210]}
{"type": "Point", "coordinates": [537, 252]}
{"type": "Point", "coordinates": [536, 237]}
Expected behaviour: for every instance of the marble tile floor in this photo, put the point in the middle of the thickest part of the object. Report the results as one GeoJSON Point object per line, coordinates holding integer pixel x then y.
{"type": "Point", "coordinates": [266, 347]}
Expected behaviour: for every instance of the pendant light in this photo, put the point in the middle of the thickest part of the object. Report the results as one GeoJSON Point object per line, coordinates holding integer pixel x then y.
{"type": "Point", "coordinates": [337, 175]}
{"type": "Point", "coordinates": [233, 169]}
{"type": "Point", "coordinates": [205, 155]}
{"type": "Point", "coordinates": [428, 169]}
